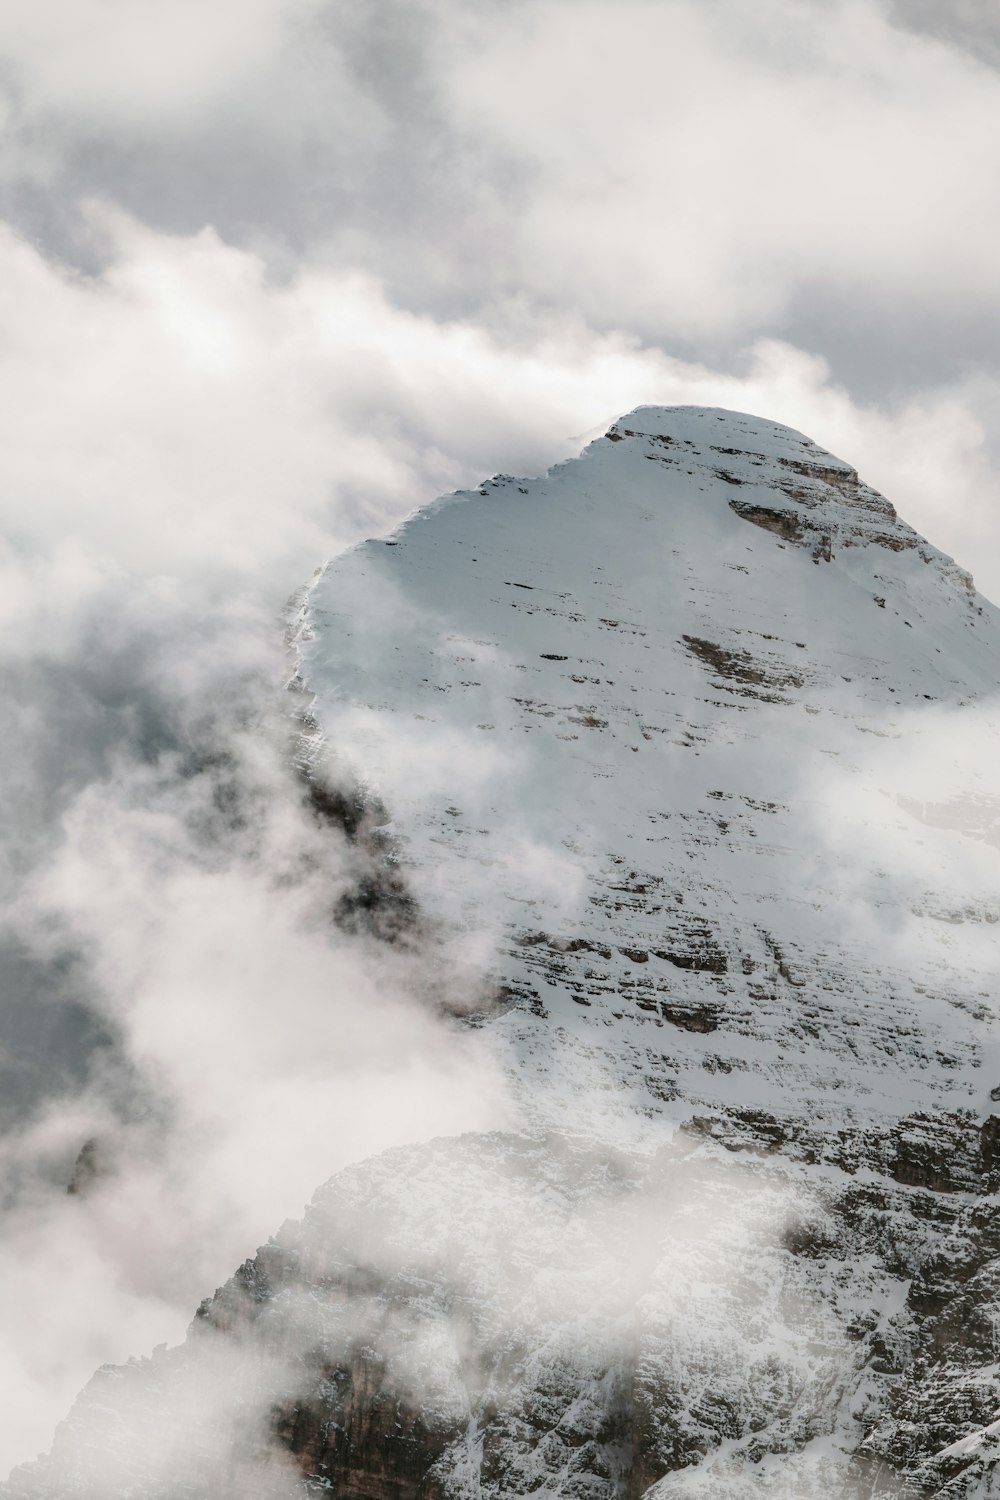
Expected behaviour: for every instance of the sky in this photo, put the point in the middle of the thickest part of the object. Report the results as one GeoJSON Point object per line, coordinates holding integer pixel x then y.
{"type": "Point", "coordinates": [272, 274]}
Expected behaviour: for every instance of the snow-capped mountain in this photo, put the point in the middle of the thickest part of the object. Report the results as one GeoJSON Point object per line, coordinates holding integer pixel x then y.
{"type": "Point", "coordinates": [680, 760]}
{"type": "Point", "coordinates": [655, 723]}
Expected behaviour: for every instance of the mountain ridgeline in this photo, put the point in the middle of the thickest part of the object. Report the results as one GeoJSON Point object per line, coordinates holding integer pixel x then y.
{"type": "Point", "coordinates": [680, 762]}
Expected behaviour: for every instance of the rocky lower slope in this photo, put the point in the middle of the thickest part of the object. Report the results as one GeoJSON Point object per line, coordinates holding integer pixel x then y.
{"type": "Point", "coordinates": [680, 759]}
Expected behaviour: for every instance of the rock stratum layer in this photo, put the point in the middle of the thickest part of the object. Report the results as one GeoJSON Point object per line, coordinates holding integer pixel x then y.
{"type": "Point", "coordinates": [685, 755]}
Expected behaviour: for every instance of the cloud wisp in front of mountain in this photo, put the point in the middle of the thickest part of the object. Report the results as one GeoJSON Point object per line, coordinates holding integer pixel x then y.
{"type": "Point", "coordinates": [514, 1272]}
{"type": "Point", "coordinates": [249, 1043]}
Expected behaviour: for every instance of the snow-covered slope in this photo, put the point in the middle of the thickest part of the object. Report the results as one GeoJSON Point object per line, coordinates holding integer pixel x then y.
{"type": "Point", "coordinates": [660, 732]}
{"type": "Point", "coordinates": [685, 752]}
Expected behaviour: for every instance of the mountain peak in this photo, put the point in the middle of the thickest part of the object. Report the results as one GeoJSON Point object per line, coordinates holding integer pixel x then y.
{"type": "Point", "coordinates": [712, 425]}
{"type": "Point", "coordinates": [639, 697]}
{"type": "Point", "coordinates": [799, 491]}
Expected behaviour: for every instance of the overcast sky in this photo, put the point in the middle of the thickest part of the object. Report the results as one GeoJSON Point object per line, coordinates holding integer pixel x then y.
{"type": "Point", "coordinates": [273, 273]}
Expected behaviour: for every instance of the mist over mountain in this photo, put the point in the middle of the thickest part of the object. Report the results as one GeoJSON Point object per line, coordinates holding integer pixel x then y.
{"type": "Point", "coordinates": [274, 273]}
{"type": "Point", "coordinates": [662, 790]}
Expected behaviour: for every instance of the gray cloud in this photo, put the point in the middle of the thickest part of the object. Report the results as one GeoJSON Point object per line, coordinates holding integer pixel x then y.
{"type": "Point", "coordinates": [970, 24]}
{"type": "Point", "coordinates": [698, 175]}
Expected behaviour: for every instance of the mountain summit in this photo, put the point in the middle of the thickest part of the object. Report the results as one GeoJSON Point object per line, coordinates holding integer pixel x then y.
{"type": "Point", "coordinates": [681, 758]}
{"type": "Point", "coordinates": [668, 725]}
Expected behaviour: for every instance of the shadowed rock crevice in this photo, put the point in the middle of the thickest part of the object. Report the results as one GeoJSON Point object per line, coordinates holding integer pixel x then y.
{"type": "Point", "coordinates": [378, 901]}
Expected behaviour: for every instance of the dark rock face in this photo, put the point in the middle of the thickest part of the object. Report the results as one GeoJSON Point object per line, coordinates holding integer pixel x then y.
{"type": "Point", "coordinates": [943, 1154]}
{"type": "Point", "coordinates": [783, 523]}
{"type": "Point", "coordinates": [89, 1167]}
{"type": "Point", "coordinates": [361, 1436]}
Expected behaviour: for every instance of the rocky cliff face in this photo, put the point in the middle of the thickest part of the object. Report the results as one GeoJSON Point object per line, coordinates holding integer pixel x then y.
{"type": "Point", "coordinates": [684, 754]}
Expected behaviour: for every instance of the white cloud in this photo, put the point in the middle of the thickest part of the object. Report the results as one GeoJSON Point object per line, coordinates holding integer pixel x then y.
{"type": "Point", "coordinates": [271, 1047]}
{"type": "Point", "coordinates": [700, 172]}
{"type": "Point", "coordinates": [134, 61]}
{"type": "Point", "coordinates": [182, 415]}
{"type": "Point", "coordinates": [691, 170]}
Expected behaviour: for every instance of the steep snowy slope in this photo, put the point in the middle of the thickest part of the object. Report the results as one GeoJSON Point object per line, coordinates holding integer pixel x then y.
{"type": "Point", "coordinates": [683, 760]}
